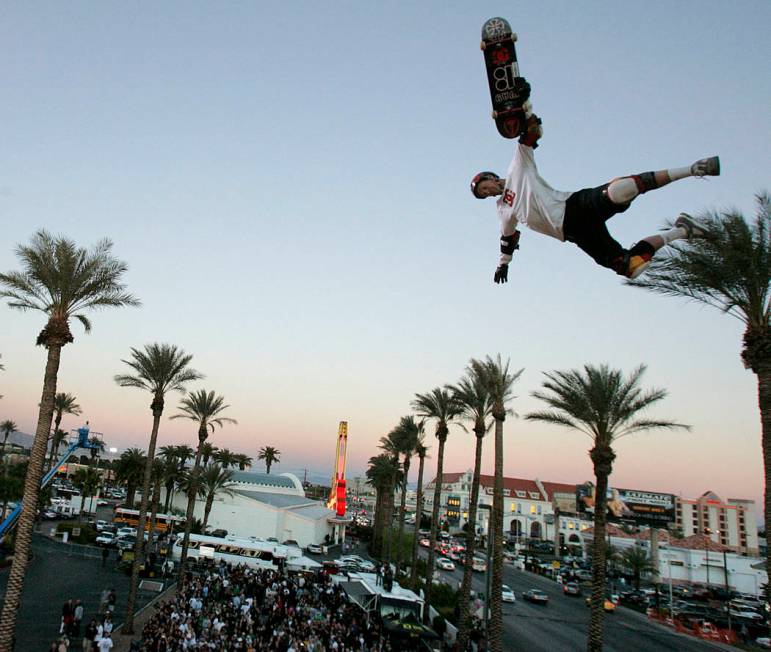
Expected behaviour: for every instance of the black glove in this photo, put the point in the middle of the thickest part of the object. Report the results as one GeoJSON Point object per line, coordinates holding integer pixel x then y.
{"type": "Point", "coordinates": [522, 89]}
{"type": "Point", "coordinates": [501, 274]}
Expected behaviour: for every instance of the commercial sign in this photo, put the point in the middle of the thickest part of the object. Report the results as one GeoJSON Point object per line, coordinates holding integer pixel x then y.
{"type": "Point", "coordinates": [630, 505]}
{"type": "Point", "coordinates": [453, 509]}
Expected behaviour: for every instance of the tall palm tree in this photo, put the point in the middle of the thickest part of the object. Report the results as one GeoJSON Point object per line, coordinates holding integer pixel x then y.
{"type": "Point", "coordinates": [63, 404]}
{"type": "Point", "coordinates": [243, 461]}
{"type": "Point", "coordinates": [7, 427]}
{"type": "Point", "coordinates": [269, 455]}
{"type": "Point", "coordinates": [409, 432]}
{"type": "Point", "coordinates": [168, 455]}
{"type": "Point", "coordinates": [130, 468]}
{"type": "Point", "coordinates": [392, 445]}
{"type": "Point", "coordinates": [382, 474]}
{"type": "Point", "coordinates": [157, 476]}
{"type": "Point", "coordinates": [441, 406]}
{"type": "Point", "coordinates": [473, 394]}
{"type": "Point", "coordinates": [637, 561]}
{"type": "Point", "coordinates": [87, 480]}
{"type": "Point", "coordinates": [62, 281]}
{"type": "Point", "coordinates": [205, 408]}
{"type": "Point", "coordinates": [158, 369]}
{"type": "Point", "coordinates": [225, 458]}
{"type": "Point", "coordinates": [214, 480]}
{"type": "Point", "coordinates": [604, 405]}
{"type": "Point", "coordinates": [499, 379]}
{"type": "Point", "coordinates": [730, 270]}
{"type": "Point", "coordinates": [421, 450]}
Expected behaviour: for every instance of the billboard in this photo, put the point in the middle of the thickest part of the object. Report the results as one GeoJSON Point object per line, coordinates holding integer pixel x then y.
{"type": "Point", "coordinates": [630, 505]}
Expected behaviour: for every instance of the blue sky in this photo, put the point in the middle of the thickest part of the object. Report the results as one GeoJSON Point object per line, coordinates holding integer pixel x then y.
{"type": "Point", "coordinates": [289, 185]}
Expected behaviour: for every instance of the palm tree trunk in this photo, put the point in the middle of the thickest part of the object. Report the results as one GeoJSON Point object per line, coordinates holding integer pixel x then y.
{"type": "Point", "coordinates": [389, 522]}
{"type": "Point", "coordinates": [602, 458]}
{"type": "Point", "coordinates": [402, 507]}
{"type": "Point", "coordinates": [764, 400]}
{"type": "Point", "coordinates": [495, 635]}
{"type": "Point", "coordinates": [53, 440]}
{"type": "Point", "coordinates": [29, 501]}
{"type": "Point", "coordinates": [154, 507]}
{"type": "Point", "coordinates": [128, 626]}
{"type": "Point", "coordinates": [465, 588]}
{"type": "Point", "coordinates": [377, 517]}
{"type": "Point", "coordinates": [169, 493]}
{"type": "Point", "coordinates": [418, 518]}
{"type": "Point", "coordinates": [207, 511]}
{"type": "Point", "coordinates": [192, 492]}
{"type": "Point", "coordinates": [434, 526]}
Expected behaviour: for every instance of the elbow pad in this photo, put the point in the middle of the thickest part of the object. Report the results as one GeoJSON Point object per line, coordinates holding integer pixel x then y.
{"type": "Point", "coordinates": [509, 243]}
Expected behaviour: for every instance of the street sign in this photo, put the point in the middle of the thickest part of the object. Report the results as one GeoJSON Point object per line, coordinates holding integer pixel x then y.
{"type": "Point", "coordinates": [555, 565]}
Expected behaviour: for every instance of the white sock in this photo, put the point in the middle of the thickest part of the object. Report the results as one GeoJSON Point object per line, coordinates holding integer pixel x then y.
{"type": "Point", "coordinates": [679, 173]}
{"type": "Point", "coordinates": [622, 191]}
{"type": "Point", "coordinates": [675, 233]}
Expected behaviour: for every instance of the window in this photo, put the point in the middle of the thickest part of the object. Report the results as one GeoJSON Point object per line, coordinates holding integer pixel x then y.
{"type": "Point", "coordinates": [539, 509]}
{"type": "Point", "coordinates": [519, 508]}
{"type": "Point", "coordinates": [571, 525]}
{"type": "Point", "coordinates": [532, 509]}
{"type": "Point", "coordinates": [565, 525]}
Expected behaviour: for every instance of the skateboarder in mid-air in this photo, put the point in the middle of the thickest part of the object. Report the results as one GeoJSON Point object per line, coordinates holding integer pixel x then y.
{"type": "Point", "coordinates": [579, 217]}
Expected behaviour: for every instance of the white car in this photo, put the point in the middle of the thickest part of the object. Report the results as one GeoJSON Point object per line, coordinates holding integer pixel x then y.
{"type": "Point", "coordinates": [314, 549]}
{"type": "Point", "coordinates": [126, 532]}
{"type": "Point", "coordinates": [362, 563]}
{"type": "Point", "coordinates": [507, 595]}
{"type": "Point", "coordinates": [100, 525]}
{"type": "Point", "coordinates": [445, 564]}
{"type": "Point", "coordinates": [106, 539]}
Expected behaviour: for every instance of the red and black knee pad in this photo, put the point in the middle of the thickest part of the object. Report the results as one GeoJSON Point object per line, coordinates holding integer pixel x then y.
{"type": "Point", "coordinates": [644, 181]}
{"type": "Point", "coordinates": [622, 264]}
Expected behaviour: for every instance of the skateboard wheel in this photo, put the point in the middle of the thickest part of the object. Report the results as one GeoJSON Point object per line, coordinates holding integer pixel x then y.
{"type": "Point", "coordinates": [514, 37]}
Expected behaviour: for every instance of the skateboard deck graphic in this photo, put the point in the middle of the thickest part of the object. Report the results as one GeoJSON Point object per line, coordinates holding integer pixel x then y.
{"type": "Point", "coordinates": [502, 73]}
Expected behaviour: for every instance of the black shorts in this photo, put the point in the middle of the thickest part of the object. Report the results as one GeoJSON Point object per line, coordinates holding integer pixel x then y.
{"type": "Point", "coordinates": [586, 212]}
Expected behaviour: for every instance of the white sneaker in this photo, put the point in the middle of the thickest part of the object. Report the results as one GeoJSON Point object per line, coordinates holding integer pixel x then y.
{"type": "Point", "coordinates": [706, 167]}
{"type": "Point", "coordinates": [691, 227]}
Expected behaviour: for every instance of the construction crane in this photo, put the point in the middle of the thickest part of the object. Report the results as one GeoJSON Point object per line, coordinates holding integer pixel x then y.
{"type": "Point", "coordinates": [83, 441]}
{"type": "Point", "coordinates": [337, 492]}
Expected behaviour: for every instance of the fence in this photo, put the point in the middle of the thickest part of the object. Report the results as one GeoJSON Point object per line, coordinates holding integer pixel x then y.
{"type": "Point", "coordinates": [72, 549]}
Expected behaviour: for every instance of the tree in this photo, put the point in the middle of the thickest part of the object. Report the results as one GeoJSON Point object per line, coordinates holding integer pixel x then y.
{"type": "Point", "coordinates": [443, 408]}
{"type": "Point", "coordinates": [392, 445]}
{"type": "Point", "coordinates": [130, 468]}
{"type": "Point", "coordinates": [382, 474]}
{"type": "Point", "coordinates": [157, 478]}
{"type": "Point", "coordinates": [62, 281]}
{"type": "Point", "coordinates": [730, 270]}
{"type": "Point", "coordinates": [225, 458]}
{"type": "Point", "coordinates": [63, 404]}
{"type": "Point", "coordinates": [409, 432]}
{"type": "Point", "coordinates": [422, 452]}
{"type": "Point", "coordinates": [168, 456]}
{"type": "Point", "coordinates": [7, 427]}
{"type": "Point", "coordinates": [88, 481]}
{"type": "Point", "coordinates": [474, 396]}
{"type": "Point", "coordinates": [495, 374]}
{"type": "Point", "coordinates": [158, 369]}
{"type": "Point", "coordinates": [205, 408]}
{"type": "Point", "coordinates": [269, 455]}
{"type": "Point", "coordinates": [206, 452]}
{"type": "Point", "coordinates": [243, 461]}
{"type": "Point", "coordinates": [604, 405]}
{"type": "Point", "coordinates": [214, 480]}
{"type": "Point", "coordinates": [638, 562]}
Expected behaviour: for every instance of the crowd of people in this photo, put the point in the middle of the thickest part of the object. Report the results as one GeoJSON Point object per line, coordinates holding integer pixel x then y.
{"type": "Point", "coordinates": [97, 634]}
{"type": "Point", "coordinates": [246, 609]}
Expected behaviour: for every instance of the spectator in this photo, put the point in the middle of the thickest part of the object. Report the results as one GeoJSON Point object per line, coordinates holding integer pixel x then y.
{"type": "Point", "coordinates": [77, 616]}
{"type": "Point", "coordinates": [105, 644]}
{"type": "Point", "coordinates": [89, 635]}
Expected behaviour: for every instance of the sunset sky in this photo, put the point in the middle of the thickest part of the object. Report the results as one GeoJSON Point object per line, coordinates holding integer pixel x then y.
{"type": "Point", "coordinates": [288, 183]}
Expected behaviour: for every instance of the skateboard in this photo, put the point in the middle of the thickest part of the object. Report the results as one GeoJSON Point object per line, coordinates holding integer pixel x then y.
{"type": "Point", "coordinates": [502, 76]}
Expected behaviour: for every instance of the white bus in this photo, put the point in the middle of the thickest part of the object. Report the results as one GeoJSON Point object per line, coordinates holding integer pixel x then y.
{"type": "Point", "coordinates": [252, 552]}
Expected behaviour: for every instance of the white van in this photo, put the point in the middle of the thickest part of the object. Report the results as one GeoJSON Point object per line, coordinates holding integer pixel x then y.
{"type": "Point", "coordinates": [479, 565]}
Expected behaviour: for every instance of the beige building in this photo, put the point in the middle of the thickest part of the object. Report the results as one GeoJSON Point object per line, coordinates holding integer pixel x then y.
{"type": "Point", "coordinates": [731, 523]}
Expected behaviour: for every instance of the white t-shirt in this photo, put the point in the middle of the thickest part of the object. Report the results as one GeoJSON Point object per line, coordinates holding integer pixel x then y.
{"type": "Point", "coordinates": [527, 199]}
{"type": "Point", "coordinates": [105, 645]}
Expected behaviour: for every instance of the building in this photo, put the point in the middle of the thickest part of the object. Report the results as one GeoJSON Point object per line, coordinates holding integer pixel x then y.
{"type": "Point", "coordinates": [731, 523]}
{"type": "Point", "coordinates": [264, 505]}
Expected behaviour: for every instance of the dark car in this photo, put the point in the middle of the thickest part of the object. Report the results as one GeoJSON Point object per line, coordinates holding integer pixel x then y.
{"type": "Point", "coordinates": [571, 588]}
{"type": "Point", "coordinates": [536, 596]}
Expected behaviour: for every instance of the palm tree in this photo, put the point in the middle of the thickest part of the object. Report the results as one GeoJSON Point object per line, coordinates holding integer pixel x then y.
{"type": "Point", "coordinates": [7, 427]}
{"type": "Point", "coordinates": [205, 408]}
{"type": "Point", "coordinates": [495, 374]}
{"type": "Point", "coordinates": [382, 474]}
{"type": "Point", "coordinates": [408, 434]}
{"type": "Point", "coordinates": [730, 271]}
{"type": "Point", "coordinates": [157, 476]}
{"type": "Point", "coordinates": [422, 452]}
{"type": "Point", "coordinates": [473, 394]}
{"type": "Point", "coordinates": [225, 458]}
{"type": "Point", "coordinates": [168, 455]}
{"type": "Point", "coordinates": [443, 407]}
{"type": "Point", "coordinates": [214, 480]}
{"type": "Point", "coordinates": [638, 562]}
{"type": "Point", "coordinates": [206, 452]}
{"type": "Point", "coordinates": [392, 445]}
{"type": "Point", "coordinates": [63, 404]}
{"type": "Point", "coordinates": [130, 468]}
{"type": "Point", "coordinates": [604, 405]}
{"type": "Point", "coordinates": [243, 461]}
{"type": "Point", "coordinates": [62, 281]}
{"type": "Point", "coordinates": [158, 369]}
{"type": "Point", "coordinates": [87, 480]}
{"type": "Point", "coordinates": [270, 455]}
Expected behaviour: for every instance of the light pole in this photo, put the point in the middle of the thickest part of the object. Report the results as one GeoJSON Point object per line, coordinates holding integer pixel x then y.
{"type": "Point", "coordinates": [707, 532]}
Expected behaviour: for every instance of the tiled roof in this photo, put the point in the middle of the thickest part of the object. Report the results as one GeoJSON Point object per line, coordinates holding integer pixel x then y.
{"type": "Point", "coordinates": [512, 484]}
{"type": "Point", "coordinates": [558, 487]}
{"type": "Point", "coordinates": [449, 478]}
{"type": "Point", "coordinates": [611, 530]}
{"type": "Point", "coordinates": [645, 535]}
{"type": "Point", "coordinates": [698, 542]}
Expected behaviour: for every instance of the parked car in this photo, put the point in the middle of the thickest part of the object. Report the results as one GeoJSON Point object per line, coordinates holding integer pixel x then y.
{"type": "Point", "coordinates": [479, 565]}
{"type": "Point", "coordinates": [106, 539]}
{"type": "Point", "coordinates": [126, 532]}
{"type": "Point", "coordinates": [125, 543]}
{"type": "Point", "coordinates": [103, 503]}
{"type": "Point", "coordinates": [314, 549]}
{"type": "Point", "coordinates": [507, 595]}
{"type": "Point", "coordinates": [445, 564]}
{"type": "Point", "coordinates": [49, 515]}
{"type": "Point", "coordinates": [536, 596]}
{"type": "Point", "coordinates": [100, 525]}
